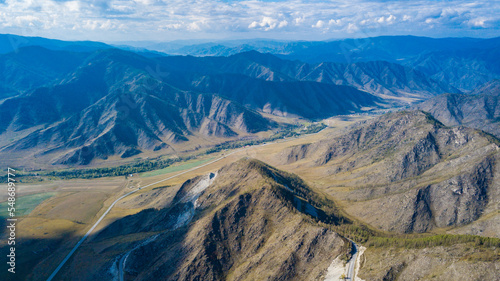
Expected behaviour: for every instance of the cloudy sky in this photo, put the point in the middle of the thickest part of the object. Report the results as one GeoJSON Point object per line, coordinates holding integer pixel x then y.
{"type": "Point", "coordinates": [126, 20]}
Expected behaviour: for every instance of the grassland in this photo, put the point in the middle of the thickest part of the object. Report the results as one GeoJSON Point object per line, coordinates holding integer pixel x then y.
{"type": "Point", "coordinates": [176, 168]}
{"type": "Point", "coordinates": [25, 204]}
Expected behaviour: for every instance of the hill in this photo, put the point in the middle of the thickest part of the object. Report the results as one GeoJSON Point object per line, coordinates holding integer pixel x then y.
{"type": "Point", "coordinates": [246, 221]}
{"type": "Point", "coordinates": [405, 172]}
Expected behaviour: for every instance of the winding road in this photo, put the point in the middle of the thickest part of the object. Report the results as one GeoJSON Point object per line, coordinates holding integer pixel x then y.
{"type": "Point", "coordinates": [352, 263]}
{"type": "Point", "coordinates": [120, 198]}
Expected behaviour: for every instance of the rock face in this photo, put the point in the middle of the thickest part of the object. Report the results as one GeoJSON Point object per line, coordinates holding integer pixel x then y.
{"type": "Point", "coordinates": [479, 110]}
{"type": "Point", "coordinates": [247, 221]}
{"type": "Point", "coordinates": [406, 172]}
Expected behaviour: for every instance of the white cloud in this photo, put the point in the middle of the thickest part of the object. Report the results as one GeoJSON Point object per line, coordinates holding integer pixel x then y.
{"type": "Point", "coordinates": [478, 22]}
{"type": "Point", "coordinates": [268, 23]}
{"type": "Point", "coordinates": [351, 28]}
{"type": "Point", "coordinates": [337, 22]}
{"type": "Point", "coordinates": [72, 6]}
{"type": "Point", "coordinates": [299, 21]}
{"type": "Point", "coordinates": [282, 24]}
{"type": "Point", "coordinates": [319, 24]}
{"type": "Point", "coordinates": [152, 19]}
{"type": "Point", "coordinates": [390, 19]}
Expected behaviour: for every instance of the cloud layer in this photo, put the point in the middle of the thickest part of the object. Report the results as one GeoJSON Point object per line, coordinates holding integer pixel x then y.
{"type": "Point", "coordinates": [296, 19]}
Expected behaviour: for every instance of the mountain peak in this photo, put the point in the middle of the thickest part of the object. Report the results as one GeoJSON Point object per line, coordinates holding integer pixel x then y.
{"type": "Point", "coordinates": [235, 220]}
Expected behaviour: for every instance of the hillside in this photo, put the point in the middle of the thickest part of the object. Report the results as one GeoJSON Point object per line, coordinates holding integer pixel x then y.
{"type": "Point", "coordinates": [405, 172]}
{"type": "Point", "coordinates": [479, 110]}
{"type": "Point", "coordinates": [460, 261]}
{"type": "Point", "coordinates": [111, 105]}
{"type": "Point", "coordinates": [246, 221]}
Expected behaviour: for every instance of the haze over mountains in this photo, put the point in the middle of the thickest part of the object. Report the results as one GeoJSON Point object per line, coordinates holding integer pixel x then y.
{"type": "Point", "coordinates": [73, 102]}
{"type": "Point", "coordinates": [464, 63]}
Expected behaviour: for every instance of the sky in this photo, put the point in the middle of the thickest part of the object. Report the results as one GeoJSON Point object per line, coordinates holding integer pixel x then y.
{"type": "Point", "coordinates": [157, 20]}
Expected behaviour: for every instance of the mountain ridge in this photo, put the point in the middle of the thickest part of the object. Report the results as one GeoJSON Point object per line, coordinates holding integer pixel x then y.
{"type": "Point", "coordinates": [240, 222]}
{"type": "Point", "coordinates": [405, 172]}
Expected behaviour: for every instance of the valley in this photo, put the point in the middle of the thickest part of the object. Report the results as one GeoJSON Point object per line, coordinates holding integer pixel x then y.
{"type": "Point", "coordinates": [246, 162]}
{"type": "Point", "coordinates": [154, 194]}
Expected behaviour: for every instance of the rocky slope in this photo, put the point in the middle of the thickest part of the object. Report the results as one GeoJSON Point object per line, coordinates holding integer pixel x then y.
{"type": "Point", "coordinates": [247, 221]}
{"type": "Point", "coordinates": [406, 172]}
{"type": "Point", "coordinates": [111, 105]}
{"type": "Point", "coordinates": [457, 262]}
{"type": "Point", "coordinates": [479, 110]}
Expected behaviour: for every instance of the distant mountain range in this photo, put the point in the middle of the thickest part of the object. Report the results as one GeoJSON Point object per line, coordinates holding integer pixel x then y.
{"type": "Point", "coordinates": [12, 43]}
{"type": "Point", "coordinates": [73, 102]}
{"type": "Point", "coordinates": [389, 81]}
{"type": "Point", "coordinates": [464, 63]}
{"type": "Point", "coordinates": [110, 105]}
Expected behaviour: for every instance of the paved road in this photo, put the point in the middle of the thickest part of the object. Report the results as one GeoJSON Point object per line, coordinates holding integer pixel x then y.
{"type": "Point", "coordinates": [352, 263]}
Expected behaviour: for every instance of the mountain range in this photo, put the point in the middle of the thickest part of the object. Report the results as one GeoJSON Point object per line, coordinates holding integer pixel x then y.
{"type": "Point", "coordinates": [412, 194]}
{"type": "Point", "coordinates": [111, 105]}
{"type": "Point", "coordinates": [464, 63]}
{"type": "Point", "coordinates": [72, 103]}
